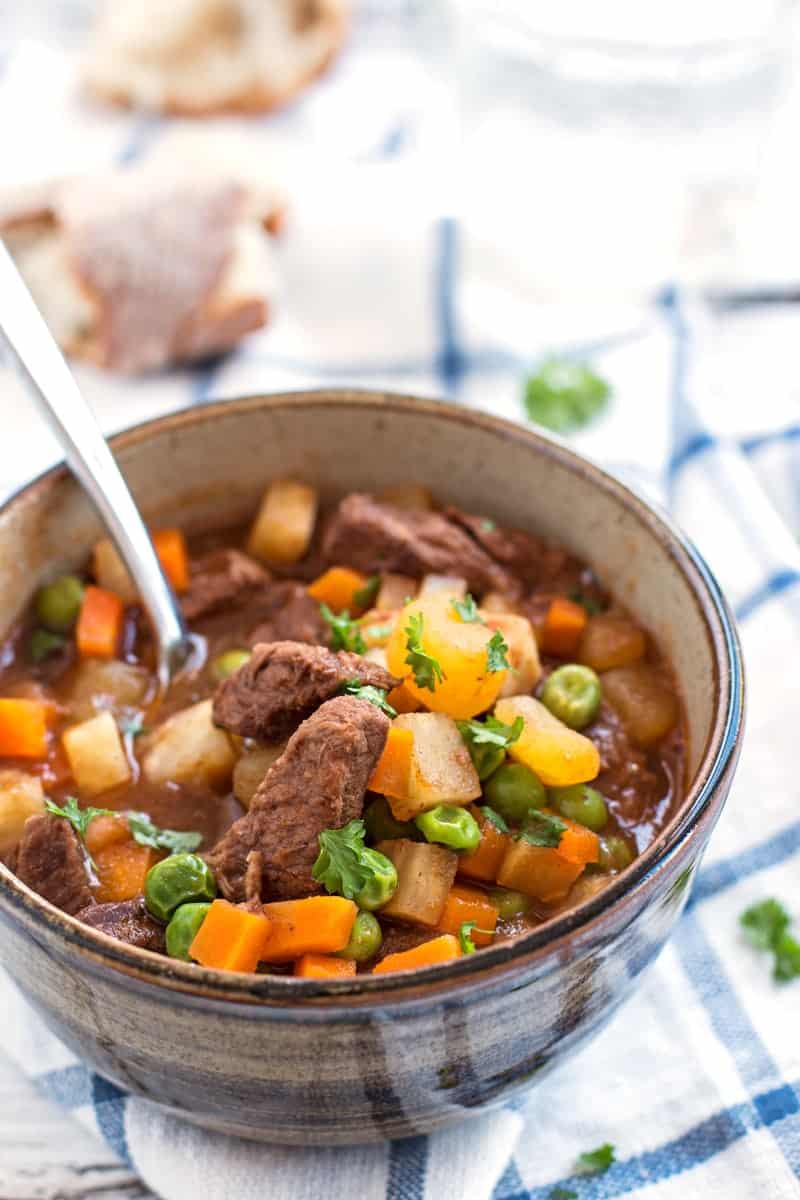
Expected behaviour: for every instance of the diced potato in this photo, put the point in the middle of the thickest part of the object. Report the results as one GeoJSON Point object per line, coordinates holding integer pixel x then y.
{"type": "Point", "coordinates": [376, 626]}
{"type": "Point", "coordinates": [467, 687]}
{"type": "Point", "coordinates": [441, 768]}
{"type": "Point", "coordinates": [537, 871]}
{"type": "Point", "coordinates": [99, 684]}
{"type": "Point", "coordinates": [250, 769]}
{"type": "Point", "coordinates": [96, 755]}
{"type": "Point", "coordinates": [21, 796]}
{"type": "Point", "coordinates": [496, 602]}
{"type": "Point", "coordinates": [189, 747]}
{"type": "Point", "coordinates": [585, 888]}
{"type": "Point", "coordinates": [110, 572]}
{"type": "Point", "coordinates": [395, 591]}
{"type": "Point", "coordinates": [523, 653]}
{"type": "Point", "coordinates": [611, 640]}
{"type": "Point", "coordinates": [284, 525]}
{"type": "Point", "coordinates": [646, 704]}
{"type": "Point", "coordinates": [442, 585]}
{"type": "Point", "coordinates": [411, 496]}
{"type": "Point", "coordinates": [425, 874]}
{"type": "Point", "coordinates": [557, 754]}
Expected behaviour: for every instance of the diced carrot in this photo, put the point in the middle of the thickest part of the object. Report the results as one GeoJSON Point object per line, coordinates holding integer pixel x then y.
{"type": "Point", "coordinates": [170, 546]}
{"type": "Point", "coordinates": [231, 938]}
{"type": "Point", "coordinates": [324, 966]}
{"type": "Point", "coordinates": [99, 624]}
{"type": "Point", "coordinates": [317, 925]}
{"type": "Point", "coordinates": [23, 728]}
{"type": "Point", "coordinates": [403, 700]}
{"type": "Point", "coordinates": [484, 863]}
{"type": "Point", "coordinates": [579, 844]}
{"type": "Point", "coordinates": [106, 830]}
{"type": "Point", "coordinates": [121, 868]}
{"type": "Point", "coordinates": [563, 627]}
{"type": "Point", "coordinates": [337, 587]}
{"type": "Point", "coordinates": [393, 768]}
{"type": "Point", "coordinates": [440, 949]}
{"type": "Point", "coordinates": [547, 873]}
{"type": "Point", "coordinates": [469, 904]}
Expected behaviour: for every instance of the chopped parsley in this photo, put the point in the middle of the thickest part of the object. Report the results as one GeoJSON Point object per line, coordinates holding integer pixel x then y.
{"type": "Point", "coordinates": [595, 1162]}
{"type": "Point", "coordinates": [592, 606]}
{"type": "Point", "coordinates": [494, 818]}
{"type": "Point", "coordinates": [465, 936]}
{"type": "Point", "coordinates": [766, 926]}
{"type": "Point", "coordinates": [487, 742]}
{"type": "Point", "coordinates": [365, 691]}
{"type": "Point", "coordinates": [176, 841]}
{"type": "Point", "coordinates": [542, 829]}
{"type": "Point", "coordinates": [377, 633]}
{"type": "Point", "coordinates": [467, 609]}
{"type": "Point", "coordinates": [79, 818]}
{"type": "Point", "coordinates": [564, 395]}
{"type": "Point", "coordinates": [496, 654]}
{"type": "Point", "coordinates": [344, 864]}
{"type": "Point", "coordinates": [426, 669]}
{"type": "Point", "coordinates": [364, 597]}
{"type": "Point", "coordinates": [43, 643]}
{"type": "Point", "coordinates": [345, 634]}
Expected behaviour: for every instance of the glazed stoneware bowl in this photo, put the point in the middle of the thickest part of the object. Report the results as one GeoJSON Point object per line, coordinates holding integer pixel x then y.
{"type": "Point", "coordinates": [316, 1062]}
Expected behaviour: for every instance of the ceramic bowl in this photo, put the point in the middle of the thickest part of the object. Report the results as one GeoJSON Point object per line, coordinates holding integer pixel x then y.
{"type": "Point", "coordinates": [309, 1062]}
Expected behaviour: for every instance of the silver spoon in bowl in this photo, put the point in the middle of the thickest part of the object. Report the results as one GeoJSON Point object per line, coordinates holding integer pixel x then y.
{"type": "Point", "coordinates": [51, 383]}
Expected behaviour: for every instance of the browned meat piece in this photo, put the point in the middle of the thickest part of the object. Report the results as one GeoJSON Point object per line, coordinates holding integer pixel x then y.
{"type": "Point", "coordinates": [51, 861]}
{"type": "Point", "coordinates": [318, 783]}
{"type": "Point", "coordinates": [373, 537]}
{"type": "Point", "coordinates": [283, 683]}
{"type": "Point", "coordinates": [128, 921]}
{"type": "Point", "coordinates": [526, 555]}
{"type": "Point", "coordinates": [290, 615]}
{"type": "Point", "coordinates": [626, 777]}
{"type": "Point", "coordinates": [221, 579]}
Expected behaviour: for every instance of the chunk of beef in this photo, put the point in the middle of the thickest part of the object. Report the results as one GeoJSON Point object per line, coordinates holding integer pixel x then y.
{"type": "Point", "coordinates": [127, 921]}
{"type": "Point", "coordinates": [373, 537]}
{"type": "Point", "coordinates": [283, 683]}
{"type": "Point", "coordinates": [526, 555]}
{"type": "Point", "coordinates": [318, 783]}
{"type": "Point", "coordinates": [289, 614]}
{"type": "Point", "coordinates": [626, 777]}
{"type": "Point", "coordinates": [223, 579]}
{"type": "Point", "coordinates": [51, 861]}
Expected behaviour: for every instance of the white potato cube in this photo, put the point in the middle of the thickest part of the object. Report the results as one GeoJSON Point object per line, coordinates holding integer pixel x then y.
{"type": "Point", "coordinates": [111, 573]}
{"type": "Point", "coordinates": [284, 524]}
{"type": "Point", "coordinates": [442, 585]}
{"type": "Point", "coordinates": [441, 768]}
{"type": "Point", "coordinates": [187, 748]}
{"type": "Point", "coordinates": [523, 653]}
{"type": "Point", "coordinates": [250, 769]}
{"type": "Point", "coordinates": [99, 684]}
{"type": "Point", "coordinates": [395, 591]}
{"type": "Point", "coordinates": [96, 755]}
{"type": "Point", "coordinates": [21, 796]}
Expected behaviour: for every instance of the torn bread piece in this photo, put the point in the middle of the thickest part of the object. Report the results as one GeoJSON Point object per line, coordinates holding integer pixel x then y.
{"type": "Point", "coordinates": [139, 268]}
{"type": "Point", "coordinates": [202, 57]}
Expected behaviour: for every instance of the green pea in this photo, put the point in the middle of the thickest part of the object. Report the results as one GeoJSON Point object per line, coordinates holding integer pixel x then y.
{"type": "Point", "coordinates": [43, 644]}
{"type": "Point", "coordinates": [382, 883]}
{"type": "Point", "coordinates": [365, 938]}
{"type": "Point", "coordinates": [508, 903]}
{"type": "Point", "coordinates": [227, 664]}
{"type": "Point", "coordinates": [182, 929]}
{"type": "Point", "coordinates": [59, 603]}
{"type": "Point", "coordinates": [581, 803]}
{"type": "Point", "coordinates": [450, 826]}
{"type": "Point", "coordinates": [513, 791]}
{"type": "Point", "coordinates": [177, 880]}
{"type": "Point", "coordinates": [382, 826]}
{"type": "Point", "coordinates": [573, 694]}
{"type": "Point", "coordinates": [615, 854]}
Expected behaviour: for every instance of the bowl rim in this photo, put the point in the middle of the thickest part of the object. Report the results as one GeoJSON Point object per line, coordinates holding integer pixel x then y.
{"type": "Point", "coordinates": [271, 992]}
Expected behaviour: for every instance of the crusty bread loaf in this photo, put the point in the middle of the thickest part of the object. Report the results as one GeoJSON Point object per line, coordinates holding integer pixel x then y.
{"type": "Point", "coordinates": [200, 57]}
{"type": "Point", "coordinates": [138, 268]}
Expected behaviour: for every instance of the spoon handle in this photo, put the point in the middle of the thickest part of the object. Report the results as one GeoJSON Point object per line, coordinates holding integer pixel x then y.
{"type": "Point", "coordinates": [51, 383]}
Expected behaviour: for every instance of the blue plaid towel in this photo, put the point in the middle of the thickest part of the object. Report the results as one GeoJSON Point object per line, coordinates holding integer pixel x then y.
{"type": "Point", "coordinates": [697, 1081]}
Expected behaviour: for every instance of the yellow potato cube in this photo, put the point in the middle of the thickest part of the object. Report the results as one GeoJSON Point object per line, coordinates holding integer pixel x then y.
{"type": "Point", "coordinates": [557, 754]}
{"type": "Point", "coordinates": [523, 653]}
{"type": "Point", "coordinates": [411, 496]}
{"type": "Point", "coordinates": [284, 525]}
{"type": "Point", "coordinates": [442, 585]}
{"type": "Point", "coordinates": [111, 573]}
{"type": "Point", "coordinates": [441, 768]}
{"type": "Point", "coordinates": [611, 640]}
{"type": "Point", "coordinates": [645, 702]}
{"type": "Point", "coordinates": [96, 755]}
{"type": "Point", "coordinates": [21, 796]}
{"type": "Point", "coordinates": [189, 747]}
{"type": "Point", "coordinates": [251, 769]}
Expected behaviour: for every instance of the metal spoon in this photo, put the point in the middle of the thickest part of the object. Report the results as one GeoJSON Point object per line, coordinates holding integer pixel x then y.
{"type": "Point", "coordinates": [51, 383]}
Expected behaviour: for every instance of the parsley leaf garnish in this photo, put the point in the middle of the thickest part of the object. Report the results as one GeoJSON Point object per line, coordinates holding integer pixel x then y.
{"type": "Point", "coordinates": [464, 936]}
{"type": "Point", "coordinates": [496, 654]}
{"type": "Point", "coordinates": [376, 696]}
{"type": "Point", "coordinates": [365, 596]}
{"type": "Point", "coordinates": [345, 634]}
{"type": "Point", "coordinates": [487, 742]}
{"type": "Point", "coordinates": [542, 829]}
{"type": "Point", "coordinates": [467, 609]}
{"type": "Point", "coordinates": [593, 607]}
{"type": "Point", "coordinates": [377, 633]}
{"type": "Point", "coordinates": [176, 841]}
{"type": "Point", "coordinates": [564, 395]}
{"type": "Point", "coordinates": [43, 643]}
{"type": "Point", "coordinates": [494, 818]}
{"type": "Point", "coordinates": [426, 669]}
{"type": "Point", "coordinates": [344, 864]}
{"type": "Point", "coordinates": [594, 1162]}
{"type": "Point", "coordinates": [766, 926]}
{"type": "Point", "coordinates": [79, 818]}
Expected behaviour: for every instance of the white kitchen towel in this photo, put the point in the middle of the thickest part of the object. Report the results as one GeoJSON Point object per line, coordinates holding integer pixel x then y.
{"type": "Point", "coordinates": [697, 1081]}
